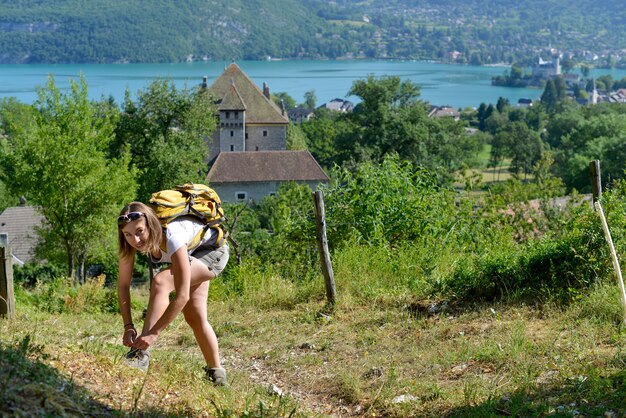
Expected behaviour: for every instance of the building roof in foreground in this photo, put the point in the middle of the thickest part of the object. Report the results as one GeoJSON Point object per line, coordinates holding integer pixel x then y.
{"type": "Point", "coordinates": [263, 166]}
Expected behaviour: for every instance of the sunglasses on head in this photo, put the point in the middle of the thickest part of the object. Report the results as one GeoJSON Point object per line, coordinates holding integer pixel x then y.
{"type": "Point", "coordinates": [129, 217]}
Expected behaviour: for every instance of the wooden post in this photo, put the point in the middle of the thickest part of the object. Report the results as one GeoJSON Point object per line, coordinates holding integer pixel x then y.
{"type": "Point", "coordinates": [7, 298]}
{"type": "Point", "coordinates": [616, 267]}
{"type": "Point", "coordinates": [322, 246]}
{"type": "Point", "coordinates": [596, 182]}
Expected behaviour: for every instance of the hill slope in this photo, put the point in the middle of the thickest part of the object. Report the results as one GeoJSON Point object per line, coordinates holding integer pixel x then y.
{"type": "Point", "coordinates": [128, 31]}
{"type": "Point", "coordinates": [473, 31]}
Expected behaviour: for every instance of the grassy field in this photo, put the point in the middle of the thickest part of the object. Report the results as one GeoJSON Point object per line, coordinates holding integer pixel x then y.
{"type": "Point", "coordinates": [393, 357]}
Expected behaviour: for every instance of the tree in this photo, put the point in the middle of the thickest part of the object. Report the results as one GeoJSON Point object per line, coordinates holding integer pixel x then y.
{"type": "Point", "coordinates": [607, 81]}
{"type": "Point", "coordinates": [585, 69]}
{"type": "Point", "coordinates": [496, 121]}
{"type": "Point", "coordinates": [483, 113]}
{"type": "Point", "coordinates": [61, 165]}
{"type": "Point", "coordinates": [499, 151]}
{"type": "Point", "coordinates": [503, 102]}
{"type": "Point", "coordinates": [567, 65]}
{"type": "Point", "coordinates": [525, 148]}
{"type": "Point", "coordinates": [391, 120]}
{"type": "Point", "coordinates": [166, 131]}
{"type": "Point", "coordinates": [388, 108]}
{"type": "Point", "coordinates": [550, 98]}
{"type": "Point", "coordinates": [448, 146]}
{"type": "Point", "coordinates": [14, 117]}
{"type": "Point", "coordinates": [284, 99]}
{"type": "Point", "coordinates": [323, 133]}
{"type": "Point", "coordinates": [517, 71]}
{"type": "Point", "coordinates": [310, 99]}
{"type": "Point", "coordinates": [296, 139]}
{"type": "Point", "coordinates": [580, 94]}
{"type": "Point", "coordinates": [561, 88]}
{"type": "Point", "coordinates": [590, 137]}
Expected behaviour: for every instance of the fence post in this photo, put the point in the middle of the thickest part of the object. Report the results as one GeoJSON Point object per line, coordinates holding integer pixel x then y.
{"type": "Point", "coordinates": [322, 246]}
{"type": "Point", "coordinates": [7, 298]}
{"type": "Point", "coordinates": [596, 182]}
{"type": "Point", "coordinates": [616, 266]}
{"type": "Point", "coordinates": [596, 189]}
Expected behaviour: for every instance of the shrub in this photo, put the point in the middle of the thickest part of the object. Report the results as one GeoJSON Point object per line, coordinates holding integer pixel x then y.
{"type": "Point", "coordinates": [62, 295]}
{"type": "Point", "coordinates": [382, 204]}
{"type": "Point", "coordinates": [263, 286]}
{"type": "Point", "coordinates": [32, 273]}
{"type": "Point", "coordinates": [555, 264]}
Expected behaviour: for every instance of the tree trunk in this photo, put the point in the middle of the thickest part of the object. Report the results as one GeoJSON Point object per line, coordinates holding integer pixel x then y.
{"type": "Point", "coordinates": [70, 262]}
{"type": "Point", "coordinates": [81, 269]}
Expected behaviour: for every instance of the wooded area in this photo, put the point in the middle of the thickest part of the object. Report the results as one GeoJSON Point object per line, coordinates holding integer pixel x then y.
{"type": "Point", "coordinates": [472, 32]}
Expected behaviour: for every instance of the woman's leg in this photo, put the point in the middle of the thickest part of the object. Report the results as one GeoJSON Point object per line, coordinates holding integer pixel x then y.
{"type": "Point", "coordinates": [160, 289]}
{"type": "Point", "coordinates": [196, 314]}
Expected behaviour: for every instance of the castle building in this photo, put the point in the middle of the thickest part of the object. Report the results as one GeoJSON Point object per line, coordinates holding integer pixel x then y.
{"type": "Point", "coordinates": [546, 70]}
{"type": "Point", "coordinates": [248, 155]}
{"type": "Point", "coordinates": [248, 118]}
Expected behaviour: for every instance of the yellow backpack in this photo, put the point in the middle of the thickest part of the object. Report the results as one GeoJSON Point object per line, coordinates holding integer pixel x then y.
{"type": "Point", "coordinates": [190, 199]}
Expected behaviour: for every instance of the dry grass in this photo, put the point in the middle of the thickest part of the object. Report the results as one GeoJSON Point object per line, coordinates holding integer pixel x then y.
{"type": "Point", "coordinates": [359, 361]}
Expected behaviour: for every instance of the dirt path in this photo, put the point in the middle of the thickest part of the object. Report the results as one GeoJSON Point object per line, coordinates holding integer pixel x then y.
{"type": "Point", "coordinates": [279, 382]}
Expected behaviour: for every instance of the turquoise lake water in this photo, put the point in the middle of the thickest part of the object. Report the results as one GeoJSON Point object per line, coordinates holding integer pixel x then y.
{"type": "Point", "coordinates": [441, 84]}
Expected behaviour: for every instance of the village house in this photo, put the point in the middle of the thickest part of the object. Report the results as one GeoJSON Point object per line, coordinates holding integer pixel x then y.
{"type": "Point", "coordinates": [300, 114]}
{"type": "Point", "coordinates": [338, 105]}
{"type": "Point", "coordinates": [248, 155]}
{"type": "Point", "coordinates": [444, 111]}
{"type": "Point", "coordinates": [618, 96]}
{"type": "Point", "coordinates": [18, 230]}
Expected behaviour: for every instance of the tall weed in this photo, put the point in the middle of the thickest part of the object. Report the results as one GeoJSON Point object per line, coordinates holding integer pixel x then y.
{"type": "Point", "coordinates": [263, 286]}
{"type": "Point", "coordinates": [64, 295]}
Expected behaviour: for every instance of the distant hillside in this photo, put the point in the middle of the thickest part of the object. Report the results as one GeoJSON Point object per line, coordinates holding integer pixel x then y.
{"type": "Point", "coordinates": [488, 31]}
{"type": "Point", "coordinates": [469, 31]}
{"type": "Point", "coordinates": [33, 31]}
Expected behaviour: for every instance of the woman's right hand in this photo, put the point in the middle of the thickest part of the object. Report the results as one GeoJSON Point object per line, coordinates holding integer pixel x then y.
{"type": "Point", "coordinates": [129, 336]}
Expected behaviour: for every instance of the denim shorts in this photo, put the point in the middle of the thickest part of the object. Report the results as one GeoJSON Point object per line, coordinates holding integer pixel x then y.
{"type": "Point", "coordinates": [214, 258]}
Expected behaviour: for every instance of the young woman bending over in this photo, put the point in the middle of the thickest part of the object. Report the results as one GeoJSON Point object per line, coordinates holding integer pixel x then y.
{"type": "Point", "coordinates": [188, 275]}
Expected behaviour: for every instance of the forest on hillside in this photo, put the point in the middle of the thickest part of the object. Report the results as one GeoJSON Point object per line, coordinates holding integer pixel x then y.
{"type": "Point", "coordinates": [474, 32]}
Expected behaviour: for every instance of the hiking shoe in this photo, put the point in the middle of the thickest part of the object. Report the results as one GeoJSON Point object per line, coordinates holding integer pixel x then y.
{"type": "Point", "coordinates": [139, 359]}
{"type": "Point", "coordinates": [216, 375]}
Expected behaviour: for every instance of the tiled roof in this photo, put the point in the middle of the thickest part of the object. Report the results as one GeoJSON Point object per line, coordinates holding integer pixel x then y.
{"type": "Point", "coordinates": [259, 109]}
{"type": "Point", "coordinates": [339, 105]}
{"type": "Point", "coordinates": [232, 100]}
{"type": "Point", "coordinates": [19, 224]}
{"type": "Point", "coordinates": [299, 112]}
{"type": "Point", "coordinates": [443, 111]}
{"type": "Point", "coordinates": [261, 166]}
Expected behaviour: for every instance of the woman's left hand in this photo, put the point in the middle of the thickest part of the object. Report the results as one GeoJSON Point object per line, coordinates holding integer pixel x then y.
{"type": "Point", "coordinates": [144, 341]}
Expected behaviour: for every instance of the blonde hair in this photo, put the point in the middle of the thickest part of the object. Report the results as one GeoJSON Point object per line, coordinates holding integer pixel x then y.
{"type": "Point", "coordinates": [155, 231]}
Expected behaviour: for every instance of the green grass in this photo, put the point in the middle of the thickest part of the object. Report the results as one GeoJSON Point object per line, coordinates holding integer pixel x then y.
{"type": "Point", "coordinates": [483, 176]}
{"type": "Point", "coordinates": [468, 360]}
{"type": "Point", "coordinates": [482, 320]}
